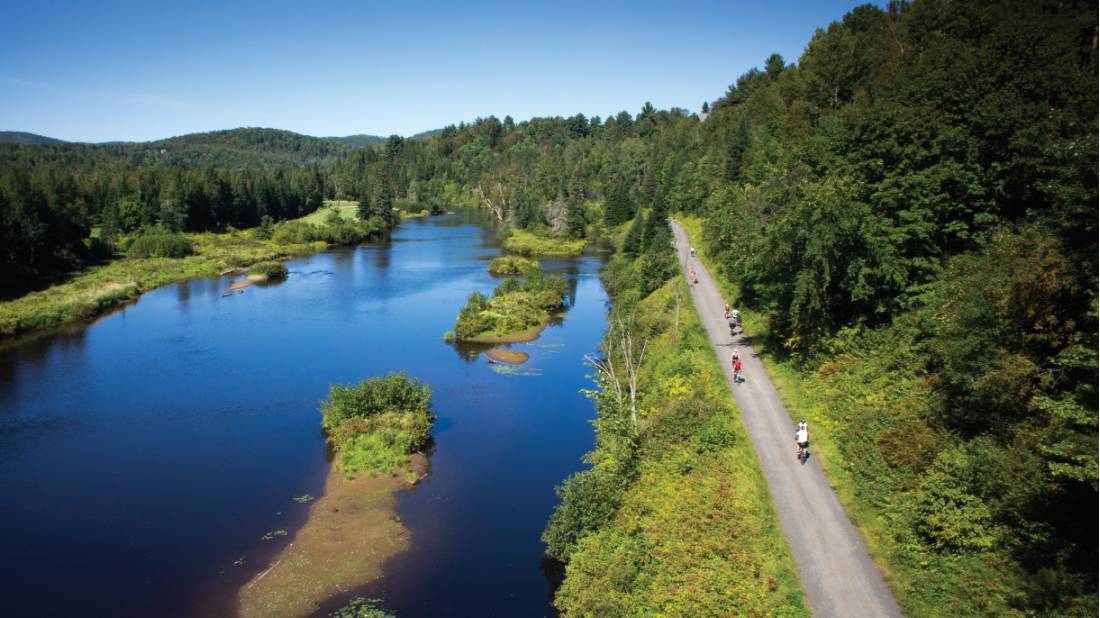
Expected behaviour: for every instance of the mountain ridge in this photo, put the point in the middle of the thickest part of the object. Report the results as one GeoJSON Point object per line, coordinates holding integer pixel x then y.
{"type": "Point", "coordinates": [357, 140]}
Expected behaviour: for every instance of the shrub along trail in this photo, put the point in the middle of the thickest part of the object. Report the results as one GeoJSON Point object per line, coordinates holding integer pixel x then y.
{"type": "Point", "coordinates": [837, 573]}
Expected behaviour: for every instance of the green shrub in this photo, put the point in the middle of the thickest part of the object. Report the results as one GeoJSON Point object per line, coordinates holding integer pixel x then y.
{"type": "Point", "coordinates": [159, 245]}
{"type": "Point", "coordinates": [294, 232]}
{"type": "Point", "coordinates": [517, 304]}
{"type": "Point", "coordinates": [377, 423]}
{"type": "Point", "coordinates": [271, 270]}
{"type": "Point", "coordinates": [510, 266]}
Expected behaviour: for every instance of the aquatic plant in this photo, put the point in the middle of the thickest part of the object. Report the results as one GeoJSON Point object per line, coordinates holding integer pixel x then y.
{"type": "Point", "coordinates": [360, 607]}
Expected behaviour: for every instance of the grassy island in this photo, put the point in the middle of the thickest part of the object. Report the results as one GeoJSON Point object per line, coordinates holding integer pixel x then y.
{"type": "Point", "coordinates": [510, 266]}
{"type": "Point", "coordinates": [517, 311]}
{"type": "Point", "coordinates": [376, 424]}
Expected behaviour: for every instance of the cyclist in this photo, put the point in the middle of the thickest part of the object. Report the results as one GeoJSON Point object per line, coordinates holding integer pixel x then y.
{"type": "Point", "coordinates": [694, 277]}
{"type": "Point", "coordinates": [735, 315]}
{"type": "Point", "coordinates": [727, 311]}
{"type": "Point", "coordinates": [733, 324]}
{"type": "Point", "coordinates": [737, 371]}
{"type": "Point", "coordinates": [801, 438]}
{"type": "Point", "coordinates": [734, 357]}
{"type": "Point", "coordinates": [692, 251]}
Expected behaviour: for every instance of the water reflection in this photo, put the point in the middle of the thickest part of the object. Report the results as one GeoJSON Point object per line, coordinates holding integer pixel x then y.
{"type": "Point", "coordinates": [150, 451]}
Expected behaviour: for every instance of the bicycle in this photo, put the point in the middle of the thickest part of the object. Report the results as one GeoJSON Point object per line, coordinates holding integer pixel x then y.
{"type": "Point", "coordinates": [803, 452]}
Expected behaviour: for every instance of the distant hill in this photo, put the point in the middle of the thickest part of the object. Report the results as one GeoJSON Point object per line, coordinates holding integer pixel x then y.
{"type": "Point", "coordinates": [232, 149]}
{"type": "Point", "coordinates": [357, 141]}
{"type": "Point", "coordinates": [27, 139]}
{"type": "Point", "coordinates": [426, 134]}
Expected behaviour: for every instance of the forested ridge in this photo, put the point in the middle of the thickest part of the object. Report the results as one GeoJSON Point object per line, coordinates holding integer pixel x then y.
{"type": "Point", "coordinates": [908, 213]}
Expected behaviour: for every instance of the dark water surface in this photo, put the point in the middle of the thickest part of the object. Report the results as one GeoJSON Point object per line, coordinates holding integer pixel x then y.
{"type": "Point", "coordinates": [142, 458]}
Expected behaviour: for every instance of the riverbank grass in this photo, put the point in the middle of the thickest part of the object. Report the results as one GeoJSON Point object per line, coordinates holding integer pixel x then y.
{"type": "Point", "coordinates": [346, 210]}
{"type": "Point", "coordinates": [100, 288]}
{"type": "Point", "coordinates": [377, 424]}
{"type": "Point", "coordinates": [528, 243]}
{"type": "Point", "coordinates": [156, 258]}
{"type": "Point", "coordinates": [517, 311]}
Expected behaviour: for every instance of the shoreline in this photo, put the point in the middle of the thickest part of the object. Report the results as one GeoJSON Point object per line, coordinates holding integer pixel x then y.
{"type": "Point", "coordinates": [247, 281]}
{"type": "Point", "coordinates": [101, 289]}
{"type": "Point", "coordinates": [349, 534]}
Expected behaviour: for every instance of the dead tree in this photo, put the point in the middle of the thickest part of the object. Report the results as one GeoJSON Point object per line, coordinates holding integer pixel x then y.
{"type": "Point", "coordinates": [621, 341]}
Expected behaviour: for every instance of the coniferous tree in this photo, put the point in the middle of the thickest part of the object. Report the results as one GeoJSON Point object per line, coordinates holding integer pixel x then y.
{"type": "Point", "coordinates": [634, 241]}
{"type": "Point", "coordinates": [739, 143]}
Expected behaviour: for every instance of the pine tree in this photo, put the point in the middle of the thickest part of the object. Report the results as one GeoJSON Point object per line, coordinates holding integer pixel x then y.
{"type": "Point", "coordinates": [634, 241]}
{"type": "Point", "coordinates": [739, 143]}
{"type": "Point", "coordinates": [364, 210]}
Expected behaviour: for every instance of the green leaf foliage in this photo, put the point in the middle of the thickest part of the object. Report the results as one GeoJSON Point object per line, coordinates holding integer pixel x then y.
{"type": "Point", "coordinates": [378, 422]}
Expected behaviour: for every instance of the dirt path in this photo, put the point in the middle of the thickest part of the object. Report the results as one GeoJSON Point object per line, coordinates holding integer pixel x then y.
{"type": "Point", "coordinates": [837, 574]}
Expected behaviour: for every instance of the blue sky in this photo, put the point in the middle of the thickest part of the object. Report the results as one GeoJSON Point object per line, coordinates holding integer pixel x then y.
{"type": "Point", "coordinates": [97, 71]}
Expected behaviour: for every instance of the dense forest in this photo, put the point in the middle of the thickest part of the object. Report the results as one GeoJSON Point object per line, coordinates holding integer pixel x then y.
{"type": "Point", "coordinates": [910, 209]}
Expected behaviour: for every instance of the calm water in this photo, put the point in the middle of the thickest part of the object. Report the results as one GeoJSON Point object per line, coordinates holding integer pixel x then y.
{"type": "Point", "coordinates": [142, 458]}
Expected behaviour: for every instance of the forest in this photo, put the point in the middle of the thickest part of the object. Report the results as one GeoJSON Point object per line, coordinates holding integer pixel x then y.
{"type": "Point", "coordinates": [908, 213]}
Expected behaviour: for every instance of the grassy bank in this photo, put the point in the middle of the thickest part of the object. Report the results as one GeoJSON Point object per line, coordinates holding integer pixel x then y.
{"type": "Point", "coordinates": [528, 243]}
{"type": "Point", "coordinates": [674, 517]}
{"type": "Point", "coordinates": [100, 288]}
{"type": "Point", "coordinates": [517, 311]}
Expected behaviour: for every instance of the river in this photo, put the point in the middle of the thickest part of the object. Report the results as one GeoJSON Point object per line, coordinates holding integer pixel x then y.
{"type": "Point", "coordinates": [144, 457]}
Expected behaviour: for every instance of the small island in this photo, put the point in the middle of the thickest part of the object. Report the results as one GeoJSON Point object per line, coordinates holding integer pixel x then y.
{"type": "Point", "coordinates": [519, 309]}
{"type": "Point", "coordinates": [379, 429]}
{"type": "Point", "coordinates": [259, 273]}
{"type": "Point", "coordinates": [511, 266]}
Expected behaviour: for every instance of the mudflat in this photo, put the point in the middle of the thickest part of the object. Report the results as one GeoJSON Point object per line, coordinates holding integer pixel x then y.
{"type": "Point", "coordinates": [505, 355]}
{"type": "Point", "coordinates": [351, 531]}
{"type": "Point", "coordinates": [247, 281]}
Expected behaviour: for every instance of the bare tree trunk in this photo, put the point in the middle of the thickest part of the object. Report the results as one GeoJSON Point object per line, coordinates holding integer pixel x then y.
{"type": "Point", "coordinates": [606, 366]}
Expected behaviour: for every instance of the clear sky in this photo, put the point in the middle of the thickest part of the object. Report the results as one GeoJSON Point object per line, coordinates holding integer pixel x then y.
{"type": "Point", "coordinates": [99, 71]}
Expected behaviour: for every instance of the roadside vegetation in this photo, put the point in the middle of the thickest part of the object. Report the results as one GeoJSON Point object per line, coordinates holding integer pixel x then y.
{"type": "Point", "coordinates": [518, 308]}
{"type": "Point", "coordinates": [673, 517]}
{"type": "Point", "coordinates": [924, 288]}
{"type": "Point", "coordinates": [377, 424]}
